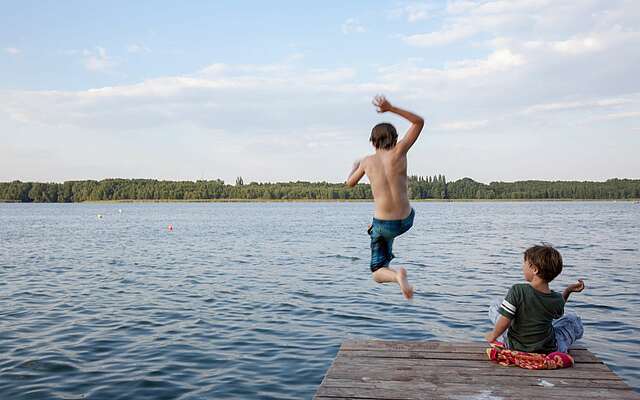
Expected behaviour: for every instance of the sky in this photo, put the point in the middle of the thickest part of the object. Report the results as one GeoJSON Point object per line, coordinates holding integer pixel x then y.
{"type": "Point", "coordinates": [282, 90]}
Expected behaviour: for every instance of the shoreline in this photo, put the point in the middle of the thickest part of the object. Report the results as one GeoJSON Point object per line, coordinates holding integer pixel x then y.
{"type": "Point", "coordinates": [634, 201]}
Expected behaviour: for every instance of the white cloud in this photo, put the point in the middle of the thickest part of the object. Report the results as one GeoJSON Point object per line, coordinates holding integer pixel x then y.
{"type": "Point", "coordinates": [352, 25]}
{"type": "Point", "coordinates": [98, 60]}
{"type": "Point", "coordinates": [445, 36]}
{"type": "Point", "coordinates": [533, 68]}
{"type": "Point", "coordinates": [217, 69]}
{"type": "Point", "coordinates": [432, 81]}
{"type": "Point", "coordinates": [615, 117]}
{"type": "Point", "coordinates": [536, 52]}
{"type": "Point", "coordinates": [545, 18]}
{"type": "Point", "coordinates": [12, 50]}
{"type": "Point", "coordinates": [505, 6]}
{"type": "Point", "coordinates": [135, 48]}
{"type": "Point", "coordinates": [577, 45]}
{"type": "Point", "coordinates": [499, 60]}
{"type": "Point", "coordinates": [414, 12]}
{"type": "Point", "coordinates": [462, 125]}
{"type": "Point", "coordinates": [591, 42]}
{"type": "Point", "coordinates": [294, 57]}
{"type": "Point", "coordinates": [461, 6]}
{"type": "Point", "coordinates": [574, 105]}
{"type": "Point", "coordinates": [323, 75]}
{"type": "Point", "coordinates": [220, 96]}
{"type": "Point", "coordinates": [620, 115]}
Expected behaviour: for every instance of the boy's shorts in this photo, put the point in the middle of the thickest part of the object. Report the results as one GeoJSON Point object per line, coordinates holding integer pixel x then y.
{"type": "Point", "coordinates": [382, 233]}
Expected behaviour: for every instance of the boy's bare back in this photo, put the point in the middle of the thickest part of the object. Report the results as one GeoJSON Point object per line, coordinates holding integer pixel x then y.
{"type": "Point", "coordinates": [387, 168]}
{"type": "Point", "coordinates": [387, 173]}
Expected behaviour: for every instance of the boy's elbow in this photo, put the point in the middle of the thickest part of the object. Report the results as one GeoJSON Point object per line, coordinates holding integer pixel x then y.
{"type": "Point", "coordinates": [417, 125]}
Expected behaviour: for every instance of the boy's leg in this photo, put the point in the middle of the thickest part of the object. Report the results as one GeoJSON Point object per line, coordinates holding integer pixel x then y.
{"type": "Point", "coordinates": [381, 255]}
{"type": "Point", "coordinates": [568, 329]}
{"type": "Point", "coordinates": [387, 275]}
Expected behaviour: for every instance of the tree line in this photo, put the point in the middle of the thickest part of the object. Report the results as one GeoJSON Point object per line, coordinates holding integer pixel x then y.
{"type": "Point", "coordinates": [420, 187]}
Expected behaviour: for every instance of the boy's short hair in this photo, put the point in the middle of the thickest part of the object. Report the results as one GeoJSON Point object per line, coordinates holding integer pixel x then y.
{"type": "Point", "coordinates": [547, 259]}
{"type": "Point", "coordinates": [384, 136]}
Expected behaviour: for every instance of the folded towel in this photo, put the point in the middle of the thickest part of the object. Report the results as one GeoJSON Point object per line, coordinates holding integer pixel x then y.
{"type": "Point", "coordinates": [506, 357]}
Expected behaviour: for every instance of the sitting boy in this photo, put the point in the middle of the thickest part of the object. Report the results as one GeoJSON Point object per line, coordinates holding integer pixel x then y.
{"type": "Point", "coordinates": [532, 314]}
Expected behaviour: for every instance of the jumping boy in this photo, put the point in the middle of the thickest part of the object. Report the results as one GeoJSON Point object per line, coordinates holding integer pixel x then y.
{"type": "Point", "coordinates": [387, 173]}
{"type": "Point", "coordinates": [532, 314]}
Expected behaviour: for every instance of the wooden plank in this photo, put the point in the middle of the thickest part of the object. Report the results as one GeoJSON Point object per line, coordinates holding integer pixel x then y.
{"type": "Point", "coordinates": [391, 372]}
{"type": "Point", "coordinates": [374, 369]}
{"type": "Point", "coordinates": [333, 398]}
{"type": "Point", "coordinates": [433, 346]}
{"type": "Point", "coordinates": [425, 384]}
{"type": "Point", "coordinates": [579, 357]}
{"type": "Point", "coordinates": [436, 362]}
{"type": "Point", "coordinates": [342, 398]}
{"type": "Point", "coordinates": [466, 392]}
{"type": "Point", "coordinates": [493, 393]}
{"type": "Point", "coordinates": [511, 381]}
{"type": "Point", "coordinates": [463, 350]}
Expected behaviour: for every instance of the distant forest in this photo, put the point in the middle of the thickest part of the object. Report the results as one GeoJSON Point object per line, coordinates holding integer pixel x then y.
{"type": "Point", "coordinates": [420, 187]}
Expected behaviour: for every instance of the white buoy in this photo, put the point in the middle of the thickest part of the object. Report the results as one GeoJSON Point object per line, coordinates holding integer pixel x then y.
{"type": "Point", "coordinates": [99, 216]}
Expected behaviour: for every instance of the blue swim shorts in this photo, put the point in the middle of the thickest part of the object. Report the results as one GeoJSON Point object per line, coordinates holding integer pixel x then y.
{"type": "Point", "coordinates": [382, 233]}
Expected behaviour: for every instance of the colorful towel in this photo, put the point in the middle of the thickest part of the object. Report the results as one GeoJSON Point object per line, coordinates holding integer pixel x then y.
{"type": "Point", "coordinates": [506, 357]}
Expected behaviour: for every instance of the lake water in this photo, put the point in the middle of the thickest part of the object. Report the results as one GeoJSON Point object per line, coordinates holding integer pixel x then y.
{"type": "Point", "coordinates": [252, 300]}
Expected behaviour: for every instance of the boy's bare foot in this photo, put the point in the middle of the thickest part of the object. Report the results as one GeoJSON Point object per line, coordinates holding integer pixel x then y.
{"type": "Point", "coordinates": [405, 286]}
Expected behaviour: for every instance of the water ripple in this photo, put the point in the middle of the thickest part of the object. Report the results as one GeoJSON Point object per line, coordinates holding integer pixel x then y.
{"type": "Point", "coordinates": [235, 303]}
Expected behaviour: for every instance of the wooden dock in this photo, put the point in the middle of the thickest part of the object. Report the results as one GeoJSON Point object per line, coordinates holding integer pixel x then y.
{"type": "Point", "coordinates": [374, 369]}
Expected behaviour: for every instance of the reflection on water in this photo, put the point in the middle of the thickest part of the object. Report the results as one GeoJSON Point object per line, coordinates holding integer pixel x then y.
{"type": "Point", "coordinates": [253, 300]}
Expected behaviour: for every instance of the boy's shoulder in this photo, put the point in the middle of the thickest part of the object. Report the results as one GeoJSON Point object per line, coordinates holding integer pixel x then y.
{"type": "Point", "coordinates": [364, 161]}
{"type": "Point", "coordinates": [521, 287]}
{"type": "Point", "coordinates": [526, 290]}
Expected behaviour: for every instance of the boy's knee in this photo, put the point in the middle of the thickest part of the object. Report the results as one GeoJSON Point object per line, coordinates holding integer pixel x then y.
{"type": "Point", "coordinates": [576, 322]}
{"type": "Point", "coordinates": [493, 309]}
{"type": "Point", "coordinates": [496, 302]}
{"type": "Point", "coordinates": [571, 316]}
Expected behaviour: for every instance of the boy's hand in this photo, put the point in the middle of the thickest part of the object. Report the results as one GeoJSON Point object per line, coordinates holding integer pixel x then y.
{"type": "Point", "coordinates": [576, 287]}
{"type": "Point", "coordinates": [381, 103]}
{"type": "Point", "coordinates": [490, 337]}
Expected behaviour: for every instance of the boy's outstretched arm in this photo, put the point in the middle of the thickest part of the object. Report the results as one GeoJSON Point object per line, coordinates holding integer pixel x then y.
{"type": "Point", "coordinates": [502, 325]}
{"type": "Point", "coordinates": [575, 287]}
{"type": "Point", "coordinates": [357, 172]}
{"type": "Point", "coordinates": [417, 123]}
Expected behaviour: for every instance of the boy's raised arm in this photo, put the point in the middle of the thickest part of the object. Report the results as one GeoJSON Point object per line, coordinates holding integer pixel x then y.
{"type": "Point", "coordinates": [417, 123]}
{"type": "Point", "coordinates": [575, 287]}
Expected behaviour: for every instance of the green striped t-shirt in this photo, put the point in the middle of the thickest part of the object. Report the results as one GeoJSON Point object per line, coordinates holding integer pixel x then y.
{"type": "Point", "coordinates": [531, 313]}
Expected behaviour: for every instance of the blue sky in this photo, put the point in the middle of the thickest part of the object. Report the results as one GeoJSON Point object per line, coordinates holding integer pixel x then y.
{"type": "Point", "coordinates": [528, 89]}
